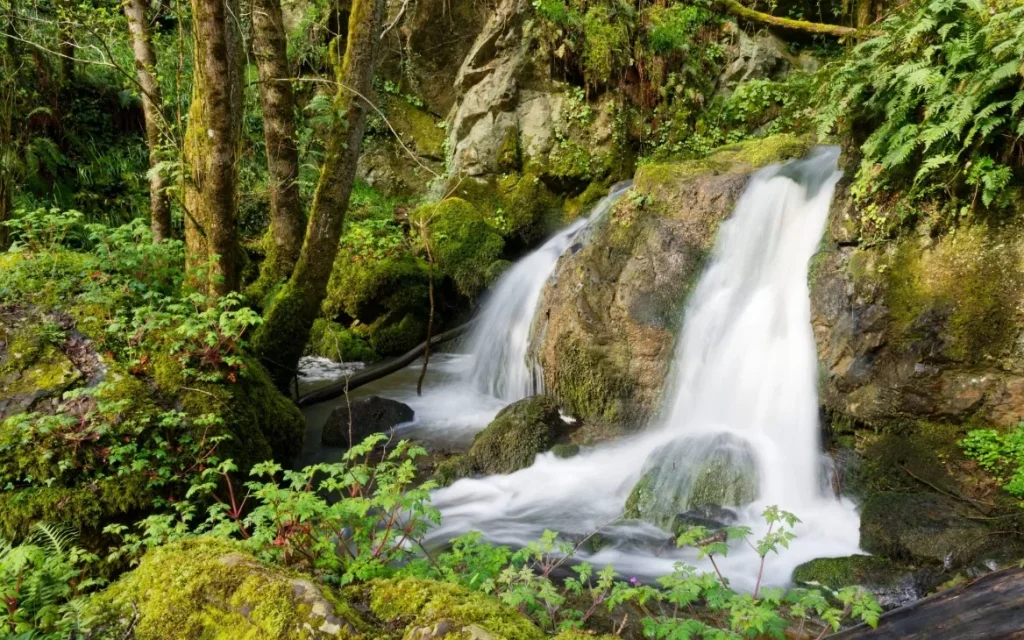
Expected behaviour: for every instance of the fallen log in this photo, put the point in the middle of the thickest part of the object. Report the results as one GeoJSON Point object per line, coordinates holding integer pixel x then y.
{"type": "Point", "coordinates": [735, 8]}
{"type": "Point", "coordinates": [376, 372]}
{"type": "Point", "coordinates": [990, 607]}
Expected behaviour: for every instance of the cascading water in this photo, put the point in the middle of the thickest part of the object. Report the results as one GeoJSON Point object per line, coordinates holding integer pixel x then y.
{"type": "Point", "coordinates": [742, 398]}
{"type": "Point", "coordinates": [497, 369]}
{"type": "Point", "coordinates": [500, 340]}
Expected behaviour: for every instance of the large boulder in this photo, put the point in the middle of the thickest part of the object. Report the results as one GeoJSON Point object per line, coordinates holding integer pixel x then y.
{"type": "Point", "coordinates": [892, 585]}
{"type": "Point", "coordinates": [362, 418]}
{"type": "Point", "coordinates": [610, 313]}
{"type": "Point", "coordinates": [205, 588]}
{"type": "Point", "coordinates": [516, 435]}
{"type": "Point", "coordinates": [693, 472]}
{"type": "Point", "coordinates": [919, 527]}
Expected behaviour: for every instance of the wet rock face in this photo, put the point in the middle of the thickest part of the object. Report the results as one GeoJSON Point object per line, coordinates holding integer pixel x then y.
{"type": "Point", "coordinates": [920, 327]}
{"type": "Point", "coordinates": [916, 527]}
{"type": "Point", "coordinates": [367, 416]}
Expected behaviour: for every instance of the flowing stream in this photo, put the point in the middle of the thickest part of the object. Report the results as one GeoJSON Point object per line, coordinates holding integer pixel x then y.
{"type": "Point", "coordinates": [742, 391]}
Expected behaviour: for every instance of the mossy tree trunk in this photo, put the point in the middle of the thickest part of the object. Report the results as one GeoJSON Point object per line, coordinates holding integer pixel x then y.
{"type": "Point", "coordinates": [284, 239]}
{"type": "Point", "coordinates": [735, 8]}
{"type": "Point", "coordinates": [282, 338]}
{"type": "Point", "coordinates": [211, 148]}
{"type": "Point", "coordinates": [5, 211]}
{"type": "Point", "coordinates": [152, 103]}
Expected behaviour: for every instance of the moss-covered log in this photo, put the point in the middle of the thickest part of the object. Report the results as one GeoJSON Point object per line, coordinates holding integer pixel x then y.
{"type": "Point", "coordinates": [282, 338]}
{"type": "Point", "coordinates": [284, 240]}
{"type": "Point", "coordinates": [211, 147]}
{"type": "Point", "coordinates": [818, 28]}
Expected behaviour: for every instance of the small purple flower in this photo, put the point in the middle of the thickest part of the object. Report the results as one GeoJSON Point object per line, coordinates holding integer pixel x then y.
{"type": "Point", "coordinates": [633, 581]}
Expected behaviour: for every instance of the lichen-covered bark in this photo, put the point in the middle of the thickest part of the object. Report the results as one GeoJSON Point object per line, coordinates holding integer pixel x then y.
{"type": "Point", "coordinates": [282, 337]}
{"type": "Point", "coordinates": [286, 220]}
{"type": "Point", "coordinates": [211, 147]}
{"type": "Point", "coordinates": [145, 66]}
{"type": "Point", "coordinates": [5, 211]}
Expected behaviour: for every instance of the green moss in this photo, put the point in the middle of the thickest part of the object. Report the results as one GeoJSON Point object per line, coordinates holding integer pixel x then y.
{"type": "Point", "coordinates": [88, 508]}
{"type": "Point", "coordinates": [516, 435]}
{"type": "Point", "coordinates": [464, 243]}
{"type": "Point", "coordinates": [418, 603]}
{"type": "Point", "coordinates": [388, 337]}
{"type": "Point", "coordinates": [837, 573]}
{"type": "Point", "coordinates": [510, 157]}
{"type": "Point", "coordinates": [590, 386]}
{"type": "Point", "coordinates": [917, 527]}
{"type": "Point", "coordinates": [365, 288]}
{"type": "Point", "coordinates": [965, 286]}
{"type": "Point", "coordinates": [452, 469]}
{"type": "Point", "coordinates": [495, 271]}
{"type": "Point", "coordinates": [565, 450]}
{"type": "Point", "coordinates": [606, 47]}
{"type": "Point", "coordinates": [212, 589]}
{"type": "Point", "coordinates": [417, 127]}
{"type": "Point", "coordinates": [334, 341]}
{"type": "Point", "coordinates": [527, 207]}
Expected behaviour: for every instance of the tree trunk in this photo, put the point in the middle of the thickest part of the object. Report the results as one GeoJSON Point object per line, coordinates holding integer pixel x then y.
{"type": "Point", "coordinates": [211, 148]}
{"type": "Point", "coordinates": [282, 338]}
{"type": "Point", "coordinates": [152, 104]}
{"type": "Point", "coordinates": [284, 239]}
{"type": "Point", "coordinates": [66, 42]}
{"type": "Point", "coordinates": [5, 211]}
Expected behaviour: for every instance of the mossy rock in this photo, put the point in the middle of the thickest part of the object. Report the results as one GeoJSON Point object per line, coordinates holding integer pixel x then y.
{"type": "Point", "coordinates": [920, 527]}
{"type": "Point", "coordinates": [589, 384]}
{"type": "Point", "coordinates": [395, 333]}
{"type": "Point", "coordinates": [892, 584]}
{"type": "Point", "coordinates": [415, 604]}
{"type": "Point", "coordinates": [694, 472]}
{"type": "Point", "coordinates": [32, 365]}
{"type": "Point", "coordinates": [334, 341]}
{"type": "Point", "coordinates": [212, 589]}
{"type": "Point", "coordinates": [417, 127]}
{"type": "Point", "coordinates": [565, 451]}
{"type": "Point", "coordinates": [452, 469]}
{"type": "Point", "coordinates": [262, 422]}
{"type": "Point", "coordinates": [516, 435]}
{"type": "Point", "coordinates": [366, 288]}
{"type": "Point", "coordinates": [464, 243]}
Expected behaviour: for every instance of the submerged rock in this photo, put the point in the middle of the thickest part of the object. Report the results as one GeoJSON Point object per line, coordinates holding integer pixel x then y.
{"type": "Point", "coordinates": [366, 416]}
{"type": "Point", "coordinates": [694, 472]}
{"type": "Point", "coordinates": [710, 516]}
{"type": "Point", "coordinates": [516, 435]}
{"type": "Point", "coordinates": [918, 527]}
{"type": "Point", "coordinates": [892, 584]}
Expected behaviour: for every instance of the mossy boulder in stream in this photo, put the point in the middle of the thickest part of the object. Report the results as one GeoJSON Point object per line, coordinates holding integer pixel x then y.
{"type": "Point", "coordinates": [213, 589]}
{"type": "Point", "coordinates": [612, 309]}
{"type": "Point", "coordinates": [694, 472]}
{"type": "Point", "coordinates": [516, 435]}
{"type": "Point", "coordinates": [892, 584]}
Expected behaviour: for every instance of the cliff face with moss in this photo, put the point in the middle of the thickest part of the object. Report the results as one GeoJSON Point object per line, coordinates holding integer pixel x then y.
{"type": "Point", "coordinates": [921, 327]}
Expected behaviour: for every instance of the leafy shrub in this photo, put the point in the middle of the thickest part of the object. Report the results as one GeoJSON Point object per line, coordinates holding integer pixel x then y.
{"type": "Point", "coordinates": [1001, 454]}
{"type": "Point", "coordinates": [342, 522]}
{"type": "Point", "coordinates": [939, 94]}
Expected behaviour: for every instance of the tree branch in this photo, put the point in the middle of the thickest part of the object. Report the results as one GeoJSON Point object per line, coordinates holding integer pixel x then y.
{"type": "Point", "coordinates": [735, 8]}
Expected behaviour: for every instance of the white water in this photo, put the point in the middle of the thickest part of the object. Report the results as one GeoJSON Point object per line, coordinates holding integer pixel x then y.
{"type": "Point", "coordinates": [745, 366]}
{"type": "Point", "coordinates": [500, 340]}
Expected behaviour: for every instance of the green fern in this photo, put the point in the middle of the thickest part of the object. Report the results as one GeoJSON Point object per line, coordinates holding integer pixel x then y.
{"type": "Point", "coordinates": [937, 102]}
{"type": "Point", "coordinates": [40, 580]}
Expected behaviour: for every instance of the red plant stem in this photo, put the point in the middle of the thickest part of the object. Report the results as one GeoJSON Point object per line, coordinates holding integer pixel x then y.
{"type": "Point", "coordinates": [715, 565]}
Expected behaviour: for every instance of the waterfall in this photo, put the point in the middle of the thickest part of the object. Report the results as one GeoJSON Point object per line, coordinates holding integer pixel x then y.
{"type": "Point", "coordinates": [741, 400]}
{"type": "Point", "coordinates": [745, 371]}
{"type": "Point", "coordinates": [500, 340]}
